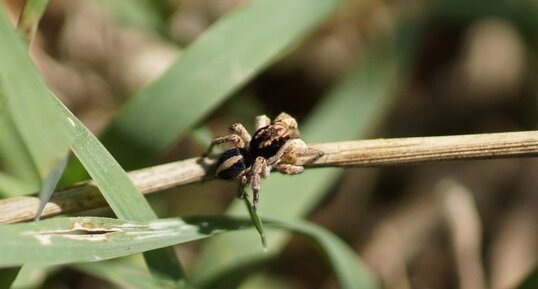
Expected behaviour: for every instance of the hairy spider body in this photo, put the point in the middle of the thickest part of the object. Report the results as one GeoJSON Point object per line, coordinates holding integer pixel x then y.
{"type": "Point", "coordinates": [252, 158]}
{"type": "Point", "coordinates": [268, 140]}
{"type": "Point", "coordinates": [233, 164]}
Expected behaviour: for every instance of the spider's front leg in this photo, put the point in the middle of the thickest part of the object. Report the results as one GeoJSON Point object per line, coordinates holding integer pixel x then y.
{"type": "Point", "coordinates": [259, 170]}
{"type": "Point", "coordinates": [241, 131]}
{"type": "Point", "coordinates": [289, 169]}
{"type": "Point", "coordinates": [239, 137]}
{"type": "Point", "coordinates": [244, 181]}
{"type": "Point", "coordinates": [292, 151]}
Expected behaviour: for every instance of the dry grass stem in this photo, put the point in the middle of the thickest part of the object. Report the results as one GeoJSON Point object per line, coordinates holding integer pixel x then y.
{"type": "Point", "coordinates": [366, 153]}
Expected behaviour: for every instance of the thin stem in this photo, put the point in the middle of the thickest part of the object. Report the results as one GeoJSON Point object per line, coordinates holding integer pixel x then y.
{"type": "Point", "coordinates": [365, 153]}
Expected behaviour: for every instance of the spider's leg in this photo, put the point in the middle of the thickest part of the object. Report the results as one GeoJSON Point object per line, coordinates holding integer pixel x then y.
{"type": "Point", "coordinates": [296, 149]}
{"type": "Point", "coordinates": [262, 121]}
{"type": "Point", "coordinates": [289, 169]}
{"type": "Point", "coordinates": [231, 138]}
{"type": "Point", "coordinates": [244, 181]}
{"type": "Point", "coordinates": [241, 131]}
{"type": "Point", "coordinates": [259, 169]}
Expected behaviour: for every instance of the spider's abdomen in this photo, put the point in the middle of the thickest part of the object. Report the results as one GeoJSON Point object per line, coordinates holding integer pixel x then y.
{"type": "Point", "coordinates": [268, 140]}
{"type": "Point", "coordinates": [232, 164]}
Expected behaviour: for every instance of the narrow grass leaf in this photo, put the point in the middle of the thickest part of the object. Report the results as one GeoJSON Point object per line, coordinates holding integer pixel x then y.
{"type": "Point", "coordinates": [118, 190]}
{"type": "Point", "coordinates": [28, 102]}
{"type": "Point", "coordinates": [49, 184]}
{"type": "Point", "coordinates": [14, 156]}
{"type": "Point", "coordinates": [48, 128]}
{"type": "Point", "coordinates": [85, 239]}
{"type": "Point", "coordinates": [225, 57]}
{"type": "Point", "coordinates": [351, 110]}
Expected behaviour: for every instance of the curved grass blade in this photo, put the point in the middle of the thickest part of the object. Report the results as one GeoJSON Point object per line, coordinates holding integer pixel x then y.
{"type": "Point", "coordinates": [52, 128]}
{"type": "Point", "coordinates": [15, 158]}
{"type": "Point", "coordinates": [225, 57]}
{"type": "Point", "coordinates": [28, 103]}
{"type": "Point", "coordinates": [49, 184]}
{"type": "Point", "coordinates": [85, 239]}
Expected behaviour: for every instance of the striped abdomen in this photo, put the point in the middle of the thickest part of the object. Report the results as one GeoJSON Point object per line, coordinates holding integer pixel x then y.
{"type": "Point", "coordinates": [232, 164]}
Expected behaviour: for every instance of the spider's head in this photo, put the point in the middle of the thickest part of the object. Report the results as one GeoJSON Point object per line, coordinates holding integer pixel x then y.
{"type": "Point", "coordinates": [289, 123]}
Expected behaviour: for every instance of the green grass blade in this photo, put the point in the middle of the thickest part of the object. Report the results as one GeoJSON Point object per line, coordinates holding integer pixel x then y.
{"type": "Point", "coordinates": [123, 275]}
{"type": "Point", "coordinates": [351, 110]}
{"type": "Point", "coordinates": [350, 272]}
{"type": "Point", "coordinates": [28, 102]}
{"type": "Point", "coordinates": [49, 184]}
{"type": "Point", "coordinates": [230, 53]}
{"type": "Point", "coordinates": [85, 239]}
{"type": "Point", "coordinates": [52, 128]}
{"type": "Point", "coordinates": [14, 157]}
{"type": "Point", "coordinates": [118, 190]}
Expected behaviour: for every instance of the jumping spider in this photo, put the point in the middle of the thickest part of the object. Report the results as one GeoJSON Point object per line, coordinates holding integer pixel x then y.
{"type": "Point", "coordinates": [273, 145]}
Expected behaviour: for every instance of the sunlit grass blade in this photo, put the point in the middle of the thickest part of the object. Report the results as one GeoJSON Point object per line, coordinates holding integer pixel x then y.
{"type": "Point", "coordinates": [16, 161]}
{"type": "Point", "coordinates": [123, 275]}
{"type": "Point", "coordinates": [225, 57]}
{"type": "Point", "coordinates": [351, 110]}
{"type": "Point", "coordinates": [85, 239]}
{"type": "Point", "coordinates": [28, 102]}
{"type": "Point", "coordinates": [52, 128]}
